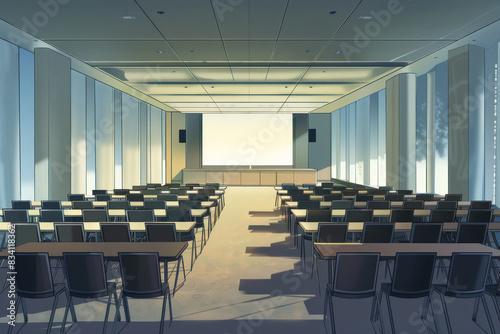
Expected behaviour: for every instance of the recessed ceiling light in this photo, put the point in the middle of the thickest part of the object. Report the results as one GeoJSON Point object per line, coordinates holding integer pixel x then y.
{"type": "Point", "coordinates": [286, 86]}
{"type": "Point", "coordinates": [365, 17]}
{"type": "Point", "coordinates": [338, 51]}
{"type": "Point", "coordinates": [159, 51]}
{"type": "Point", "coordinates": [185, 86]}
{"type": "Point", "coordinates": [160, 12]}
{"type": "Point", "coordinates": [212, 86]}
{"type": "Point", "coordinates": [128, 17]}
{"type": "Point", "coordinates": [173, 71]}
{"type": "Point", "coordinates": [333, 12]}
{"type": "Point", "coordinates": [191, 51]}
{"type": "Point", "coordinates": [307, 50]}
{"type": "Point", "coordinates": [324, 71]}
{"type": "Point", "coordinates": [310, 86]}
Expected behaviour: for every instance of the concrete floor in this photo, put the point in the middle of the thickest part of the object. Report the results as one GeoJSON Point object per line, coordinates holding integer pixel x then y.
{"type": "Point", "coordinates": [249, 279]}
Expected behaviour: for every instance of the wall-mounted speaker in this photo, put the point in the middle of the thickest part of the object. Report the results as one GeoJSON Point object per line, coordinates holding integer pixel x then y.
{"type": "Point", "coordinates": [312, 135]}
{"type": "Point", "coordinates": [182, 136]}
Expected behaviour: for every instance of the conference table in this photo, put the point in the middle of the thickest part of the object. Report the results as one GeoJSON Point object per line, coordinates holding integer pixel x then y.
{"type": "Point", "coordinates": [329, 251]}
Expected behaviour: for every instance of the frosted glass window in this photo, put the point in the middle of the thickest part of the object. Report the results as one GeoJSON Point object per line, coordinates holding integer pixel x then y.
{"type": "Point", "coordinates": [118, 138]}
{"type": "Point", "coordinates": [441, 129]}
{"type": "Point", "coordinates": [362, 140]}
{"type": "Point", "coordinates": [352, 141]}
{"type": "Point", "coordinates": [343, 144]}
{"type": "Point", "coordinates": [421, 135]}
{"type": "Point", "coordinates": [381, 138]}
{"type": "Point", "coordinates": [335, 142]}
{"type": "Point", "coordinates": [373, 143]}
{"type": "Point", "coordinates": [155, 169]}
{"type": "Point", "coordinates": [130, 143]}
{"type": "Point", "coordinates": [78, 138]}
{"type": "Point", "coordinates": [104, 136]}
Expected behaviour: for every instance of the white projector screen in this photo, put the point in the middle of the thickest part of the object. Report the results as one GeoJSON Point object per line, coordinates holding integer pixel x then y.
{"type": "Point", "coordinates": [247, 139]}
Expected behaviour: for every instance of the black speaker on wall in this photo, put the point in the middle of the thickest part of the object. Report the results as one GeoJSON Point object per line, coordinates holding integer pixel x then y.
{"type": "Point", "coordinates": [182, 136]}
{"type": "Point", "coordinates": [312, 135]}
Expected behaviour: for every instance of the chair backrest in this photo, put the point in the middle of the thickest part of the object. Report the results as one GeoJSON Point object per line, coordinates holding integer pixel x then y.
{"type": "Point", "coordinates": [332, 232]}
{"type": "Point", "coordinates": [327, 184]}
{"type": "Point", "coordinates": [322, 191]}
{"type": "Point", "coordinates": [27, 232]}
{"type": "Point", "coordinates": [140, 274]}
{"type": "Point", "coordinates": [186, 205]}
{"type": "Point", "coordinates": [447, 205]}
{"type": "Point", "coordinates": [395, 197]}
{"type": "Point", "coordinates": [139, 187]}
{"type": "Point", "coordinates": [453, 197]}
{"type": "Point", "coordinates": [16, 215]}
{"type": "Point", "coordinates": [413, 274]}
{"type": "Point", "coordinates": [82, 205]}
{"type": "Point", "coordinates": [56, 205]}
{"type": "Point", "coordinates": [472, 233]}
{"type": "Point", "coordinates": [85, 274]}
{"type": "Point", "coordinates": [198, 197]}
{"type": "Point", "coordinates": [115, 232]}
{"type": "Point", "coordinates": [401, 215]}
{"type": "Point", "coordinates": [349, 193]}
{"type": "Point", "coordinates": [356, 274]}
{"type": "Point", "coordinates": [95, 215]}
{"type": "Point", "coordinates": [424, 197]}
{"type": "Point", "coordinates": [178, 215]}
{"type": "Point", "coordinates": [173, 185]}
{"type": "Point", "coordinates": [404, 192]}
{"type": "Point", "coordinates": [153, 185]}
{"type": "Point", "coordinates": [154, 204]}
{"type": "Point", "coordinates": [135, 197]}
{"type": "Point", "coordinates": [50, 215]}
{"type": "Point", "coordinates": [192, 184]}
{"type": "Point", "coordinates": [160, 232]}
{"type": "Point", "coordinates": [363, 198]}
{"type": "Point", "coordinates": [480, 204]}
{"type": "Point", "coordinates": [99, 192]}
{"type": "Point", "coordinates": [356, 215]}
{"type": "Point", "coordinates": [338, 188]}
{"type": "Point", "coordinates": [102, 197]}
{"type": "Point", "coordinates": [214, 185]}
{"type": "Point", "coordinates": [117, 204]}
{"type": "Point", "coordinates": [140, 215]}
{"type": "Point", "coordinates": [386, 188]}
{"type": "Point", "coordinates": [319, 215]}
{"type": "Point", "coordinates": [467, 274]}
{"type": "Point", "coordinates": [480, 215]}
{"type": "Point", "coordinates": [168, 197]}
{"type": "Point", "coordinates": [301, 197]}
{"type": "Point", "coordinates": [415, 204]}
{"type": "Point", "coordinates": [34, 277]}
{"type": "Point", "coordinates": [181, 192]}
{"type": "Point", "coordinates": [377, 191]}
{"type": "Point", "coordinates": [309, 185]}
{"type": "Point", "coordinates": [121, 191]}
{"type": "Point", "coordinates": [442, 216]}
{"type": "Point", "coordinates": [150, 191]}
{"type": "Point", "coordinates": [332, 197]}
{"type": "Point", "coordinates": [342, 204]}
{"type": "Point", "coordinates": [69, 232]}
{"type": "Point", "coordinates": [76, 197]}
{"type": "Point", "coordinates": [21, 204]}
{"type": "Point", "coordinates": [378, 205]}
{"type": "Point", "coordinates": [426, 232]}
{"type": "Point", "coordinates": [288, 186]}
{"type": "Point", "coordinates": [308, 205]}
{"type": "Point", "coordinates": [377, 232]}
{"type": "Point", "coordinates": [292, 192]}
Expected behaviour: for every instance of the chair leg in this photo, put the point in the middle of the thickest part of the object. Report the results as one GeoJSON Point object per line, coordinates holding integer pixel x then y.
{"type": "Point", "coordinates": [446, 316]}
{"type": "Point", "coordinates": [164, 304]}
{"type": "Point", "coordinates": [25, 309]}
{"type": "Point", "coordinates": [126, 308]}
{"type": "Point", "coordinates": [108, 306]}
{"type": "Point", "coordinates": [117, 314]}
{"type": "Point", "coordinates": [52, 313]}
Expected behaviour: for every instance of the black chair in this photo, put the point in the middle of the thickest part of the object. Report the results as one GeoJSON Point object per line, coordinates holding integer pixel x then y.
{"type": "Point", "coordinates": [139, 187]}
{"type": "Point", "coordinates": [188, 205]}
{"type": "Point", "coordinates": [327, 184]}
{"type": "Point", "coordinates": [21, 204]}
{"type": "Point", "coordinates": [179, 215]}
{"type": "Point", "coordinates": [16, 215]}
{"type": "Point", "coordinates": [121, 191]}
{"type": "Point", "coordinates": [493, 290]}
{"type": "Point", "coordinates": [480, 215]}
{"type": "Point", "coordinates": [466, 279]}
{"type": "Point", "coordinates": [34, 281]}
{"type": "Point", "coordinates": [453, 197]}
{"type": "Point", "coordinates": [480, 204]}
{"type": "Point", "coordinates": [472, 233]}
{"type": "Point", "coordinates": [313, 205]}
{"type": "Point", "coordinates": [140, 215]}
{"type": "Point", "coordinates": [338, 188]}
{"type": "Point", "coordinates": [426, 232]}
{"type": "Point", "coordinates": [404, 192]}
{"type": "Point", "coordinates": [69, 232]}
{"type": "Point", "coordinates": [377, 232]}
{"type": "Point", "coordinates": [363, 198]}
{"type": "Point", "coordinates": [394, 197]}
{"type": "Point", "coordinates": [424, 197]}
{"type": "Point", "coordinates": [412, 279]}
{"type": "Point", "coordinates": [27, 232]}
{"type": "Point", "coordinates": [300, 197]}
{"type": "Point", "coordinates": [332, 197]}
{"type": "Point", "coordinates": [76, 197]}
{"type": "Point", "coordinates": [415, 204]}
{"type": "Point", "coordinates": [388, 188]}
{"type": "Point", "coordinates": [319, 216]}
{"type": "Point", "coordinates": [168, 197]}
{"type": "Point", "coordinates": [199, 198]}
{"type": "Point", "coordinates": [134, 197]}
{"type": "Point", "coordinates": [99, 192]}
{"type": "Point", "coordinates": [192, 184]}
{"type": "Point", "coordinates": [355, 278]}
{"type": "Point", "coordinates": [179, 192]}
{"type": "Point", "coordinates": [453, 205]}
{"type": "Point", "coordinates": [115, 232]}
{"type": "Point", "coordinates": [343, 204]}
{"type": "Point", "coordinates": [102, 197]}
{"type": "Point", "coordinates": [82, 205]}
{"type": "Point", "coordinates": [401, 215]}
{"type": "Point", "coordinates": [141, 279]}
{"type": "Point", "coordinates": [150, 192]}
{"type": "Point", "coordinates": [165, 232]}
{"type": "Point", "coordinates": [444, 216]}
{"type": "Point", "coordinates": [322, 191]}
{"type": "Point", "coordinates": [55, 205]}
{"type": "Point", "coordinates": [86, 278]}
{"type": "Point", "coordinates": [52, 215]}
{"type": "Point", "coordinates": [380, 205]}
{"type": "Point", "coordinates": [360, 215]}
{"type": "Point", "coordinates": [95, 215]}
{"type": "Point", "coordinates": [154, 205]}
{"type": "Point", "coordinates": [214, 185]}
{"type": "Point", "coordinates": [117, 204]}
{"type": "Point", "coordinates": [349, 193]}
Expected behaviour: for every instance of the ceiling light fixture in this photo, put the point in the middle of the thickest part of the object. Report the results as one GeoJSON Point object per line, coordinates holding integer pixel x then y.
{"type": "Point", "coordinates": [160, 12]}
{"type": "Point", "coordinates": [338, 51]}
{"type": "Point", "coordinates": [365, 17]}
{"type": "Point", "coordinates": [333, 12]}
{"type": "Point", "coordinates": [159, 51]}
{"type": "Point", "coordinates": [128, 17]}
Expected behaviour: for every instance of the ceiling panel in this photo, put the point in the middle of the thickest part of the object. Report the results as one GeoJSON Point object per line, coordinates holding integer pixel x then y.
{"type": "Point", "coordinates": [212, 74]}
{"type": "Point", "coordinates": [345, 74]}
{"type": "Point", "coordinates": [249, 51]}
{"type": "Point", "coordinates": [170, 98]}
{"type": "Point", "coordinates": [297, 51]}
{"type": "Point", "coordinates": [286, 74]}
{"type": "Point", "coordinates": [170, 89]}
{"type": "Point", "coordinates": [152, 74]}
{"type": "Point", "coordinates": [250, 98]}
{"type": "Point", "coordinates": [325, 89]}
{"type": "Point", "coordinates": [199, 51]}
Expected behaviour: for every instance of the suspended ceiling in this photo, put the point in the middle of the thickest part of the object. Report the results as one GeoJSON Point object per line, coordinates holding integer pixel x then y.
{"type": "Point", "coordinates": [250, 56]}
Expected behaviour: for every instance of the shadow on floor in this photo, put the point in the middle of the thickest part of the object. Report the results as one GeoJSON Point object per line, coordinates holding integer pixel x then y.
{"type": "Point", "coordinates": [276, 249]}
{"type": "Point", "coordinates": [265, 214]}
{"type": "Point", "coordinates": [271, 228]}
